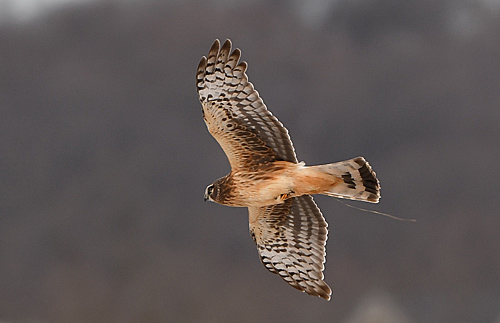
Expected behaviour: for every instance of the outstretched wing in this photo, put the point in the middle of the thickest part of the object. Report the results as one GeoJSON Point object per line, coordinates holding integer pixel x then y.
{"type": "Point", "coordinates": [290, 238]}
{"type": "Point", "coordinates": [235, 114]}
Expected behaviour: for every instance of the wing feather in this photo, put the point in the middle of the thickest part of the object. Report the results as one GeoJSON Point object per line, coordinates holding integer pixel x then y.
{"type": "Point", "coordinates": [235, 114]}
{"type": "Point", "coordinates": [291, 238]}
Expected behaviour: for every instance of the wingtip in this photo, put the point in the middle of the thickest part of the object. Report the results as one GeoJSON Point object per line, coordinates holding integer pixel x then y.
{"type": "Point", "coordinates": [227, 43]}
{"type": "Point", "coordinates": [320, 289]}
{"type": "Point", "coordinates": [203, 62]}
{"type": "Point", "coordinates": [200, 73]}
{"type": "Point", "coordinates": [326, 297]}
{"type": "Point", "coordinates": [237, 52]}
{"type": "Point", "coordinates": [324, 291]}
{"type": "Point", "coordinates": [215, 45]}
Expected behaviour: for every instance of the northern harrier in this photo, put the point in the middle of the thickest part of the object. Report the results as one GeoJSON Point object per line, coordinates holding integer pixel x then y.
{"type": "Point", "coordinates": [285, 223]}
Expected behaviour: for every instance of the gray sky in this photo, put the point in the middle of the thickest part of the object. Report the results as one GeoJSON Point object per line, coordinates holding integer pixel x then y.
{"type": "Point", "coordinates": [26, 9]}
{"type": "Point", "coordinates": [312, 12]}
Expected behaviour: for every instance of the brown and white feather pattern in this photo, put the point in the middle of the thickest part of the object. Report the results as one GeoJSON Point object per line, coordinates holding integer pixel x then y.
{"type": "Point", "coordinates": [291, 239]}
{"type": "Point", "coordinates": [235, 114]}
{"type": "Point", "coordinates": [286, 225]}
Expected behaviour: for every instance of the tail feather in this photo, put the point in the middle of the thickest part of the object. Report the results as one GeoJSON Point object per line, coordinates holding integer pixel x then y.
{"type": "Point", "coordinates": [359, 180]}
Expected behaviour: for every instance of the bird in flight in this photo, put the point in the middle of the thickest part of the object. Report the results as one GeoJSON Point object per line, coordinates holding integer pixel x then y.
{"type": "Point", "coordinates": [286, 225]}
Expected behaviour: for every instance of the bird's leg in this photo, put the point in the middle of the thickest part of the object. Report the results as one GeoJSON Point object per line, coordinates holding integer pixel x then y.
{"type": "Point", "coordinates": [286, 196]}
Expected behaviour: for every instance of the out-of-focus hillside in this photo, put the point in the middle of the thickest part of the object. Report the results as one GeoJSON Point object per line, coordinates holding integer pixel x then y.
{"type": "Point", "coordinates": [104, 158]}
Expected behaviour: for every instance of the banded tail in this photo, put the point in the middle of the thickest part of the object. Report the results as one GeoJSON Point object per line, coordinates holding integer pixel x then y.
{"type": "Point", "coordinates": [359, 181]}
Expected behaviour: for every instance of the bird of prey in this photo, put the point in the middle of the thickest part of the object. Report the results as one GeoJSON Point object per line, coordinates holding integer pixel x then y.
{"type": "Point", "coordinates": [266, 177]}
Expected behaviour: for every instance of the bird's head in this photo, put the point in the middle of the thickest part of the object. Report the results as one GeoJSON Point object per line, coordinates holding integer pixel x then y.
{"type": "Point", "coordinates": [215, 191]}
{"type": "Point", "coordinates": [210, 192]}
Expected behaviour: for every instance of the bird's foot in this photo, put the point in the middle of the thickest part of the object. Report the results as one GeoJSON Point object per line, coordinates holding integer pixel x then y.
{"type": "Point", "coordinates": [286, 196]}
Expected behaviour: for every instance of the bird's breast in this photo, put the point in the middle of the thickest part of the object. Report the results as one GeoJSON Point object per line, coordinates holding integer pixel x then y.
{"type": "Point", "coordinates": [263, 186]}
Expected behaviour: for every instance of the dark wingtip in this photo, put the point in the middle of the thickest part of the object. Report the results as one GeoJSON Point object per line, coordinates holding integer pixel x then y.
{"type": "Point", "coordinates": [215, 45]}
{"type": "Point", "coordinates": [227, 43]}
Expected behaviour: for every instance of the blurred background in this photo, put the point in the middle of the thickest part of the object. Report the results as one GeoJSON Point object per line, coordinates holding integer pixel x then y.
{"type": "Point", "coordinates": [104, 158]}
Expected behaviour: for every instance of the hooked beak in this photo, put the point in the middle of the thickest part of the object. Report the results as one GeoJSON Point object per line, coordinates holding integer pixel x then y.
{"type": "Point", "coordinates": [205, 197]}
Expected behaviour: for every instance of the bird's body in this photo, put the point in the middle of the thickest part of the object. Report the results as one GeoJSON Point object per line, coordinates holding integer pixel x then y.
{"type": "Point", "coordinates": [271, 184]}
{"type": "Point", "coordinates": [260, 188]}
{"type": "Point", "coordinates": [266, 177]}
{"type": "Point", "coordinates": [274, 182]}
